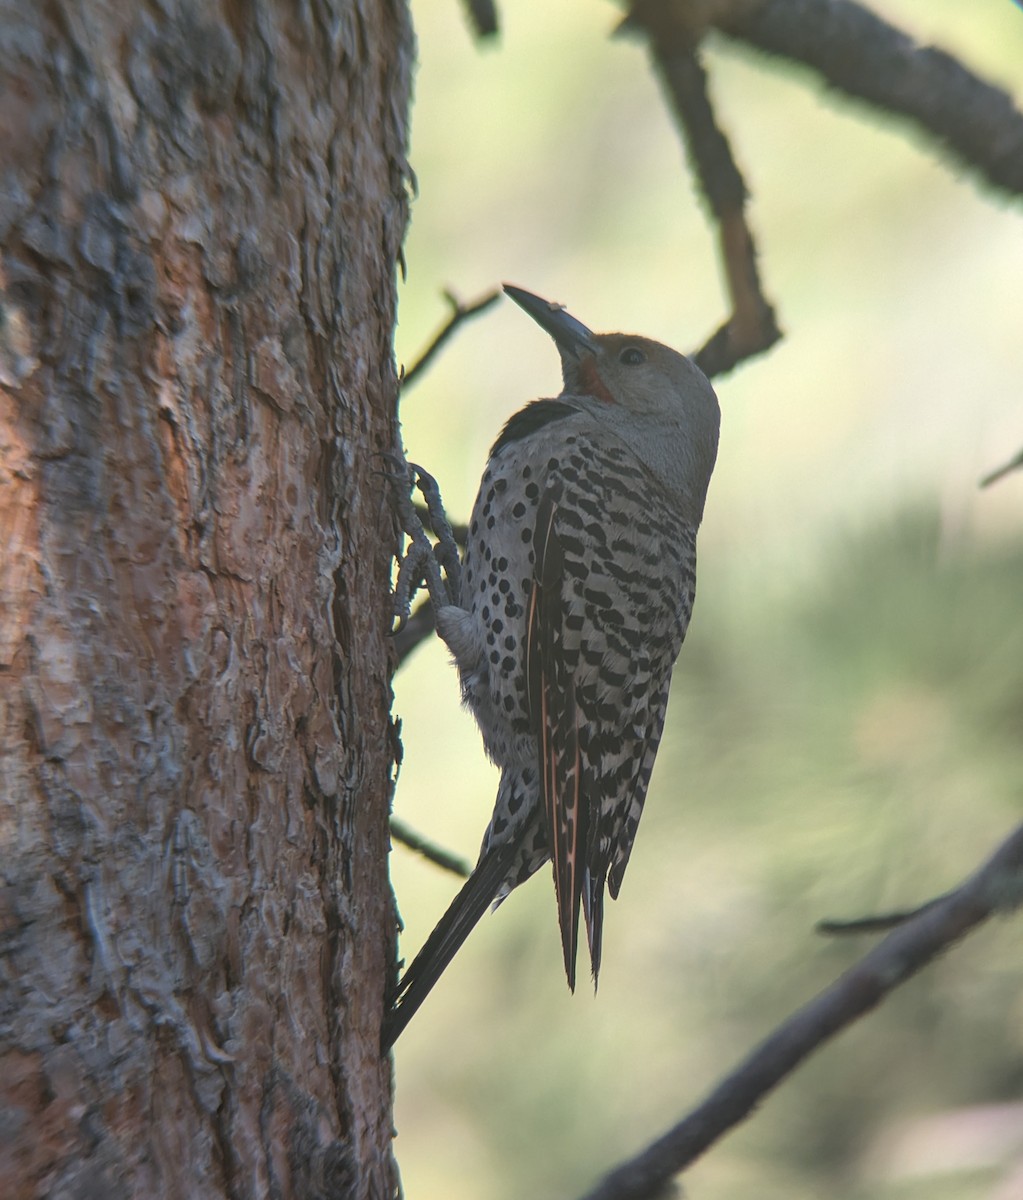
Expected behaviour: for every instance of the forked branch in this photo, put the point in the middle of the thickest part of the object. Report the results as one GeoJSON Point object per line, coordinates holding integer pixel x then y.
{"type": "Point", "coordinates": [996, 887]}
{"type": "Point", "coordinates": [856, 53]}
{"type": "Point", "coordinates": [459, 313]}
{"type": "Point", "coordinates": [751, 329]}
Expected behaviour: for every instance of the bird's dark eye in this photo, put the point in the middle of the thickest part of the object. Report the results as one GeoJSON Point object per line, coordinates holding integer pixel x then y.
{"type": "Point", "coordinates": [631, 356]}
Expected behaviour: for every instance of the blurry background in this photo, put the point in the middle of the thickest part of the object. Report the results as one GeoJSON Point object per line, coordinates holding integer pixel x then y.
{"type": "Point", "coordinates": [846, 726]}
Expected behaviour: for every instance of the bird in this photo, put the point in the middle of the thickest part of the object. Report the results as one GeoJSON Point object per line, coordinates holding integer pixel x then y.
{"type": "Point", "coordinates": [574, 597]}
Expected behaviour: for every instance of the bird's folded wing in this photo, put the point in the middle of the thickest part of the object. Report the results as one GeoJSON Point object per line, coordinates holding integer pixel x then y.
{"type": "Point", "coordinates": [553, 709]}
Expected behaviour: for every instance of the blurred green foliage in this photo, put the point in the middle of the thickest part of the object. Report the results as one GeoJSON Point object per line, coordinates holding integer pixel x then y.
{"type": "Point", "coordinates": [846, 727]}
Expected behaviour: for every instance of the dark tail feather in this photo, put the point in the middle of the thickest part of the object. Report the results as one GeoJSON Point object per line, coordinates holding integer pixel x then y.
{"type": "Point", "coordinates": [477, 894]}
{"type": "Point", "coordinates": [593, 911]}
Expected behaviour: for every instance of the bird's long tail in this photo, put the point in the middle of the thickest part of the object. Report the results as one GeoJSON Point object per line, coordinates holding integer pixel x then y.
{"type": "Point", "coordinates": [478, 892]}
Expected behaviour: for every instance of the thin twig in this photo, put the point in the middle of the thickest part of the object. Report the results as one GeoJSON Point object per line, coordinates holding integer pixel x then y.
{"type": "Point", "coordinates": [751, 329]}
{"type": "Point", "coordinates": [1014, 464]}
{"type": "Point", "coordinates": [418, 627]}
{"type": "Point", "coordinates": [459, 313]}
{"type": "Point", "coordinates": [879, 923]}
{"type": "Point", "coordinates": [435, 854]}
{"type": "Point", "coordinates": [416, 630]}
{"type": "Point", "coordinates": [996, 887]}
{"type": "Point", "coordinates": [860, 54]}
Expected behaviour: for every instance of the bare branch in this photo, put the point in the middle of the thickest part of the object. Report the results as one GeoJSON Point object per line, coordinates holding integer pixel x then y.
{"type": "Point", "coordinates": [416, 629]}
{"type": "Point", "coordinates": [879, 923]}
{"type": "Point", "coordinates": [858, 53]}
{"type": "Point", "coordinates": [751, 329]}
{"type": "Point", "coordinates": [435, 854]}
{"type": "Point", "coordinates": [1013, 464]}
{"type": "Point", "coordinates": [996, 887]}
{"type": "Point", "coordinates": [459, 313]}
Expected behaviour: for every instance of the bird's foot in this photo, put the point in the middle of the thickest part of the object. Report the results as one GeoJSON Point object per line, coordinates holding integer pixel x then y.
{"type": "Point", "coordinates": [446, 548]}
{"type": "Point", "coordinates": [423, 561]}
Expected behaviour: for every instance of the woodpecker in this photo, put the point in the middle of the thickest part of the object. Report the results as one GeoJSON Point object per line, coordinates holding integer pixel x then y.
{"type": "Point", "coordinates": [574, 596]}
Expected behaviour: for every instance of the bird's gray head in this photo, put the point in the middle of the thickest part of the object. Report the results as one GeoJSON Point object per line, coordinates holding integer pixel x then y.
{"type": "Point", "coordinates": [656, 400]}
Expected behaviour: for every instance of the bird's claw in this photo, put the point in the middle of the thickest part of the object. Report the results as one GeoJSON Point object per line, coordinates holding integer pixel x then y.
{"type": "Point", "coordinates": [422, 561]}
{"type": "Point", "coordinates": [446, 549]}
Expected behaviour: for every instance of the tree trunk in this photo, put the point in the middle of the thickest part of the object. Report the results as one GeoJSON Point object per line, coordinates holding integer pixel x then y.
{"type": "Point", "coordinates": [201, 208]}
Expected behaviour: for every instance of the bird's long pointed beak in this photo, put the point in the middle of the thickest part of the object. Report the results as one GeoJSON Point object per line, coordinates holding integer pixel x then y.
{"type": "Point", "coordinates": [572, 336]}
